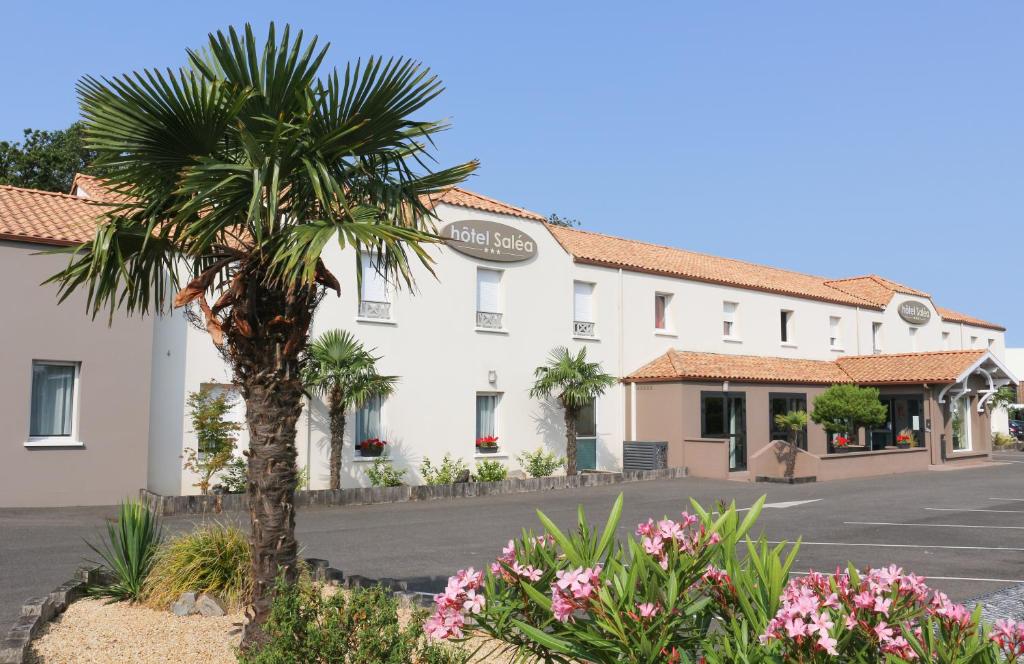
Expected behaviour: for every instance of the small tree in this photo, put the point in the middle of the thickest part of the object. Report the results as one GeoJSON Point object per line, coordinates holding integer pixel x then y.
{"type": "Point", "coordinates": [846, 408]}
{"type": "Point", "coordinates": [576, 383]}
{"type": "Point", "coordinates": [215, 435]}
{"type": "Point", "coordinates": [340, 369]}
{"type": "Point", "coordinates": [794, 422]}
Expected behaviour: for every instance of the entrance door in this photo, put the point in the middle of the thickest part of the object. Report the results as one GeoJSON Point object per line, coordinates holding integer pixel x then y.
{"type": "Point", "coordinates": [736, 427]}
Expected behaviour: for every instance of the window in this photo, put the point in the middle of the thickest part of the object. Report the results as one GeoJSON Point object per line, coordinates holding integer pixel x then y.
{"type": "Point", "coordinates": [945, 340]}
{"type": "Point", "coordinates": [486, 415]}
{"type": "Point", "coordinates": [582, 309]}
{"type": "Point", "coordinates": [835, 339]}
{"type": "Point", "coordinates": [374, 300]}
{"type": "Point", "coordinates": [586, 421]}
{"type": "Point", "coordinates": [729, 327]}
{"type": "Point", "coordinates": [368, 420]}
{"type": "Point", "coordinates": [780, 404]}
{"type": "Point", "coordinates": [661, 302]}
{"type": "Point", "coordinates": [991, 343]}
{"type": "Point", "coordinates": [913, 338]}
{"type": "Point", "coordinates": [876, 338]}
{"type": "Point", "coordinates": [786, 326]}
{"type": "Point", "coordinates": [974, 342]}
{"type": "Point", "coordinates": [53, 399]}
{"type": "Point", "coordinates": [961, 424]}
{"type": "Point", "coordinates": [488, 299]}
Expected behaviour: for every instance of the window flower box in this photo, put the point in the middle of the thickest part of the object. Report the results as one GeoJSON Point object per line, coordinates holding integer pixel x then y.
{"type": "Point", "coordinates": [487, 445]}
{"type": "Point", "coordinates": [371, 447]}
{"type": "Point", "coordinates": [905, 440]}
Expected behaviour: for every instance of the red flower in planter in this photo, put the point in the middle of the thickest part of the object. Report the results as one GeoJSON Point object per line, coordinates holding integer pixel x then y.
{"type": "Point", "coordinates": [902, 438]}
{"type": "Point", "coordinates": [372, 443]}
{"type": "Point", "coordinates": [841, 441]}
{"type": "Point", "coordinates": [487, 441]}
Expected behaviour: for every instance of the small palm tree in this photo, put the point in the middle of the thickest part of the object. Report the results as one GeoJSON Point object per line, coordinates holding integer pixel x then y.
{"type": "Point", "coordinates": [339, 369]}
{"type": "Point", "coordinates": [234, 172]}
{"type": "Point", "coordinates": [794, 422]}
{"type": "Point", "coordinates": [576, 383]}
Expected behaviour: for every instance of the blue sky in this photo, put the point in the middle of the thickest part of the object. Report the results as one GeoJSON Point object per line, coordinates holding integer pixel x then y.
{"type": "Point", "coordinates": [830, 138]}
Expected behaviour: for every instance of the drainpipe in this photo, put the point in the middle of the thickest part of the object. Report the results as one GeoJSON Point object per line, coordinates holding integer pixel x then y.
{"type": "Point", "coordinates": [622, 369]}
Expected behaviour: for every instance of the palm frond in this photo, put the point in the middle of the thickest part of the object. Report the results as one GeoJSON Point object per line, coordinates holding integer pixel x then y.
{"type": "Point", "coordinates": [571, 378]}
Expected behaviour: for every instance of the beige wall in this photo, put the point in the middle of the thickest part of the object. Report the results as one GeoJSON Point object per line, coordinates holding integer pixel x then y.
{"type": "Point", "coordinates": [113, 392]}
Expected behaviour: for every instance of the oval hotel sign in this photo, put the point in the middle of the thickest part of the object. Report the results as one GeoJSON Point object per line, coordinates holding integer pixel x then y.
{"type": "Point", "coordinates": [914, 312]}
{"type": "Point", "coordinates": [489, 240]}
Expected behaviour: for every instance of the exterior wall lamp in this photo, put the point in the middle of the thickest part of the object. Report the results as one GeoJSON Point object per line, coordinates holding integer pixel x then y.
{"type": "Point", "coordinates": [492, 376]}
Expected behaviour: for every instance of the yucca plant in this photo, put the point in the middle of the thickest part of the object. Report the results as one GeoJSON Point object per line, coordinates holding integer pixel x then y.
{"type": "Point", "coordinates": [212, 559]}
{"type": "Point", "coordinates": [128, 552]}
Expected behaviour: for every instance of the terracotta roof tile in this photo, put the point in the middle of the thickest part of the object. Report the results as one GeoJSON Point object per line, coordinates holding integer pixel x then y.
{"type": "Point", "coordinates": [957, 317]}
{"type": "Point", "coordinates": [904, 368]}
{"type": "Point", "coordinates": [595, 248]}
{"type": "Point", "coordinates": [468, 199]}
{"type": "Point", "coordinates": [30, 215]}
{"type": "Point", "coordinates": [96, 189]}
{"type": "Point", "coordinates": [873, 288]}
{"type": "Point", "coordinates": [677, 365]}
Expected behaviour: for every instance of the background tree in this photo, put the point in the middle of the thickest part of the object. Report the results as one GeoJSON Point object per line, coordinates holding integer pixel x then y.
{"type": "Point", "coordinates": [794, 422]}
{"type": "Point", "coordinates": [553, 218]}
{"type": "Point", "coordinates": [575, 382]}
{"type": "Point", "coordinates": [340, 370]}
{"type": "Point", "coordinates": [215, 435]}
{"type": "Point", "coordinates": [45, 160]}
{"type": "Point", "coordinates": [238, 169]}
{"type": "Point", "coordinates": [846, 408]}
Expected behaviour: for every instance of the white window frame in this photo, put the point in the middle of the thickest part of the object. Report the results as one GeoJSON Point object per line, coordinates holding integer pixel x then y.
{"type": "Point", "coordinates": [877, 343]}
{"type": "Point", "coordinates": [974, 341]}
{"type": "Point", "coordinates": [498, 398]}
{"type": "Point", "coordinates": [367, 270]}
{"type": "Point", "coordinates": [73, 440]}
{"type": "Point", "coordinates": [578, 322]}
{"type": "Point", "coordinates": [668, 329]}
{"type": "Point", "coordinates": [357, 416]}
{"type": "Point", "coordinates": [730, 321]}
{"type": "Point", "coordinates": [790, 328]}
{"type": "Point", "coordinates": [498, 306]}
{"type": "Point", "coordinates": [835, 333]}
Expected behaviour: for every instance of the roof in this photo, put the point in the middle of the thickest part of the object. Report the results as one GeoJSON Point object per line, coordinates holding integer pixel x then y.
{"type": "Point", "coordinates": [957, 317]}
{"type": "Point", "coordinates": [873, 288]}
{"type": "Point", "coordinates": [46, 217]}
{"type": "Point", "coordinates": [468, 199]}
{"type": "Point", "coordinates": [96, 189]}
{"type": "Point", "coordinates": [899, 368]}
{"type": "Point", "coordinates": [599, 249]}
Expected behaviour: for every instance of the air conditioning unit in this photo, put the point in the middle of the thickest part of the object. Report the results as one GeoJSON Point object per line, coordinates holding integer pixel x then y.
{"type": "Point", "coordinates": [644, 455]}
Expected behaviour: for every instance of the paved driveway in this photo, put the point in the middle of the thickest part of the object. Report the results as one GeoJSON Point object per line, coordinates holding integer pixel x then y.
{"type": "Point", "coordinates": [964, 529]}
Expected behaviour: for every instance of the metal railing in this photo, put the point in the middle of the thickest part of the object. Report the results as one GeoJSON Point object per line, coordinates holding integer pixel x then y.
{"type": "Point", "coordinates": [490, 320]}
{"type": "Point", "coordinates": [376, 310]}
{"type": "Point", "coordinates": [583, 328]}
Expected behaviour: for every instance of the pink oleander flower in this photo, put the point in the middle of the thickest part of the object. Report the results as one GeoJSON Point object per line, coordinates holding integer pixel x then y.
{"type": "Point", "coordinates": [459, 596]}
{"type": "Point", "coordinates": [648, 609]}
{"type": "Point", "coordinates": [1009, 636]}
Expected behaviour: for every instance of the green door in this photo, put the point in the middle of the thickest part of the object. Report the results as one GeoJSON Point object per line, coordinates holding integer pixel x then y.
{"type": "Point", "coordinates": [586, 453]}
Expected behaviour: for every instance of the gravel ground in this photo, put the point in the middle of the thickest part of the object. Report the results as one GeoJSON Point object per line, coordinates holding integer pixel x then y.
{"type": "Point", "coordinates": [92, 632]}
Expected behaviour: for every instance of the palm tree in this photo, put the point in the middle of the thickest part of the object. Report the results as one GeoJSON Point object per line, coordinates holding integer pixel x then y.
{"type": "Point", "coordinates": [234, 172]}
{"type": "Point", "coordinates": [576, 383]}
{"type": "Point", "coordinates": [794, 422]}
{"type": "Point", "coordinates": [339, 368]}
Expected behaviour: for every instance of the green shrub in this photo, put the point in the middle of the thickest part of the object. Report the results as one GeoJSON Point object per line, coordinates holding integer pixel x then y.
{"type": "Point", "coordinates": [490, 471]}
{"type": "Point", "coordinates": [234, 479]}
{"type": "Point", "coordinates": [449, 470]}
{"type": "Point", "coordinates": [382, 473]}
{"type": "Point", "coordinates": [213, 559]}
{"type": "Point", "coordinates": [540, 463]}
{"type": "Point", "coordinates": [1000, 439]}
{"type": "Point", "coordinates": [128, 551]}
{"type": "Point", "coordinates": [306, 625]}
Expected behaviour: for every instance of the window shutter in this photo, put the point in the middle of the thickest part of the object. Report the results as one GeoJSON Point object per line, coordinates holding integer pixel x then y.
{"type": "Point", "coordinates": [375, 287]}
{"type": "Point", "coordinates": [583, 302]}
{"type": "Point", "coordinates": [488, 291]}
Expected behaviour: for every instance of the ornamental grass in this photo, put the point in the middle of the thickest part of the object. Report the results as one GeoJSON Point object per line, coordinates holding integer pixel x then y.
{"type": "Point", "coordinates": [214, 558]}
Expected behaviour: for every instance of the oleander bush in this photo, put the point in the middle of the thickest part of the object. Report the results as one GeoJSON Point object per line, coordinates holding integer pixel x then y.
{"type": "Point", "coordinates": [490, 471]}
{"type": "Point", "coordinates": [540, 463]}
{"type": "Point", "coordinates": [358, 626]}
{"type": "Point", "coordinates": [1000, 439]}
{"type": "Point", "coordinates": [127, 552]}
{"type": "Point", "coordinates": [701, 589]}
{"type": "Point", "coordinates": [383, 473]}
{"type": "Point", "coordinates": [450, 470]}
{"type": "Point", "coordinates": [214, 558]}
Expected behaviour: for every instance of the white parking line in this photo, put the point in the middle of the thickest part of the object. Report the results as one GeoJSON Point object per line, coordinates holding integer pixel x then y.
{"type": "Point", "coordinates": [957, 509]}
{"type": "Point", "coordinates": [1016, 500]}
{"type": "Point", "coordinates": [909, 546]}
{"type": "Point", "coordinates": [945, 578]}
{"type": "Point", "coordinates": [928, 525]}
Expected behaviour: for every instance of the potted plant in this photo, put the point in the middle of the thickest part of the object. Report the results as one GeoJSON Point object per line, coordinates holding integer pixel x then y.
{"type": "Point", "coordinates": [371, 447]}
{"type": "Point", "coordinates": [905, 439]}
{"type": "Point", "coordinates": [841, 442]}
{"type": "Point", "coordinates": [487, 445]}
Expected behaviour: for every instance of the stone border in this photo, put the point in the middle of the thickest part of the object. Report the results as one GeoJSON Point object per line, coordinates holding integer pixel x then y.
{"type": "Point", "coordinates": [238, 502]}
{"type": "Point", "coordinates": [769, 479]}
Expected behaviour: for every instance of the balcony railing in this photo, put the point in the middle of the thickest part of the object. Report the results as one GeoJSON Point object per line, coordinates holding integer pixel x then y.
{"type": "Point", "coordinates": [488, 320]}
{"type": "Point", "coordinates": [582, 328]}
{"type": "Point", "coordinates": [375, 310]}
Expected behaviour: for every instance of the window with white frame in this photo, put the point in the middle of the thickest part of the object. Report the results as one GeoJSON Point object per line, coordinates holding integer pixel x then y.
{"type": "Point", "coordinates": [374, 295]}
{"type": "Point", "coordinates": [945, 340]}
{"type": "Point", "coordinates": [661, 311]}
{"type": "Point", "coordinates": [489, 314]}
{"type": "Point", "coordinates": [974, 341]}
{"type": "Point", "coordinates": [730, 329]}
{"type": "Point", "coordinates": [786, 326]}
{"type": "Point", "coordinates": [835, 339]}
{"type": "Point", "coordinates": [876, 338]}
{"type": "Point", "coordinates": [991, 343]}
{"type": "Point", "coordinates": [368, 420]}
{"type": "Point", "coordinates": [912, 331]}
{"type": "Point", "coordinates": [583, 324]}
{"type": "Point", "coordinates": [487, 421]}
{"type": "Point", "coordinates": [52, 412]}
{"type": "Point", "coordinates": [961, 424]}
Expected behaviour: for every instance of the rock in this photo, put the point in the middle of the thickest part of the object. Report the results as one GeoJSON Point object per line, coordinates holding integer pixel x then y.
{"type": "Point", "coordinates": [185, 606]}
{"type": "Point", "coordinates": [462, 477]}
{"type": "Point", "coordinates": [210, 606]}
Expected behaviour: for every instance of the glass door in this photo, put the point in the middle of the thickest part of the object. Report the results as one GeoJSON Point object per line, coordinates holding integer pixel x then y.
{"type": "Point", "coordinates": [736, 423]}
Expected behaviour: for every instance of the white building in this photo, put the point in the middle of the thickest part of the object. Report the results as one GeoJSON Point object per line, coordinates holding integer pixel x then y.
{"type": "Point", "coordinates": [466, 343]}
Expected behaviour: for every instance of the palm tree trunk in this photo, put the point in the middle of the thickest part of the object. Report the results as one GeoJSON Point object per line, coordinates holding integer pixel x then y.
{"type": "Point", "coordinates": [264, 352]}
{"type": "Point", "coordinates": [337, 408]}
{"type": "Point", "coordinates": [570, 441]}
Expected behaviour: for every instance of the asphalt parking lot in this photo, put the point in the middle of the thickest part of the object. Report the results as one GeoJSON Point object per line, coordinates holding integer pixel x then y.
{"type": "Point", "coordinates": [964, 529]}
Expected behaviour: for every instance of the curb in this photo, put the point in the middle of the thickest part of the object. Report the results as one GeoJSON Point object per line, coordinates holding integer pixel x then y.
{"type": "Point", "coordinates": [238, 502]}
